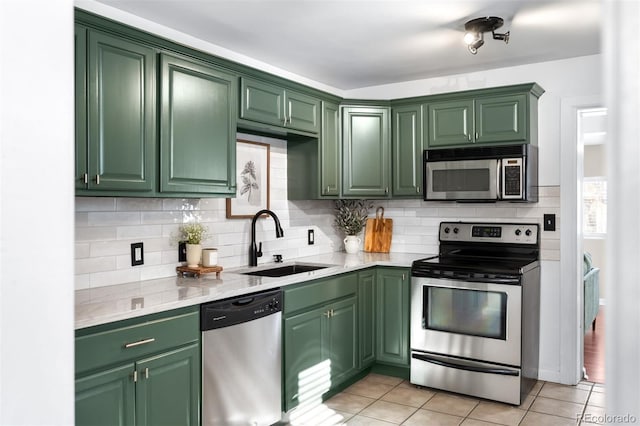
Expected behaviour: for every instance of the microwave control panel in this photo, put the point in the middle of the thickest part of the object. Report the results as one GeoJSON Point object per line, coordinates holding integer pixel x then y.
{"type": "Point", "coordinates": [512, 178]}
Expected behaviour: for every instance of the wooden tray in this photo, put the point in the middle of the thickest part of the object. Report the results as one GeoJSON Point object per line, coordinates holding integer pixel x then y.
{"type": "Point", "coordinates": [198, 270]}
{"type": "Point", "coordinates": [377, 237]}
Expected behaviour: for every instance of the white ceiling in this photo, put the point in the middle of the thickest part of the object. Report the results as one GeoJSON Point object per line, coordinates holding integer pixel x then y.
{"type": "Point", "coordinates": [351, 44]}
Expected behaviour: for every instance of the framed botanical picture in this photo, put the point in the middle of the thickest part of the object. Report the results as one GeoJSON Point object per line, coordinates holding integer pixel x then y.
{"type": "Point", "coordinates": [252, 178]}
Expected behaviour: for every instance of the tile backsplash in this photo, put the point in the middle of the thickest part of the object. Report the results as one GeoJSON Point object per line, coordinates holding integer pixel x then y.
{"type": "Point", "coordinates": [107, 226]}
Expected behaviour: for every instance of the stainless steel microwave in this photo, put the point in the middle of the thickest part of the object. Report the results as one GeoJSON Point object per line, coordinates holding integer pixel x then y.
{"type": "Point", "coordinates": [482, 174]}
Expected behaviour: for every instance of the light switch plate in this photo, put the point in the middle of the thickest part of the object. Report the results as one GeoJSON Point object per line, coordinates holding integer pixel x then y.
{"type": "Point", "coordinates": [137, 254]}
{"type": "Point", "coordinates": [549, 222]}
{"type": "Point", "coordinates": [310, 237]}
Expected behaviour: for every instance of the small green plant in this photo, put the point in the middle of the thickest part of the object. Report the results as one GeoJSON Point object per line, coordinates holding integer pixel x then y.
{"type": "Point", "coordinates": [193, 233]}
{"type": "Point", "coordinates": [351, 215]}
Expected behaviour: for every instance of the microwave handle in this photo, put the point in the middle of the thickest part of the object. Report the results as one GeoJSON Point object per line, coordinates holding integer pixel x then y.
{"type": "Point", "coordinates": [499, 179]}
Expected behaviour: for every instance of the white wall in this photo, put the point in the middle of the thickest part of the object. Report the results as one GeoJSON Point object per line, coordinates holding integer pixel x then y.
{"type": "Point", "coordinates": [36, 212]}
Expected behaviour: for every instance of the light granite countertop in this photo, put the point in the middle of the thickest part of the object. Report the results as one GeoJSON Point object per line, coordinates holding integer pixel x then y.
{"type": "Point", "coordinates": [118, 302]}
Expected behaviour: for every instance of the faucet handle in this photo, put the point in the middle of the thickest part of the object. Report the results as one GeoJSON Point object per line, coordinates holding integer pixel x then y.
{"type": "Point", "coordinates": [277, 258]}
{"type": "Point", "coordinates": [259, 252]}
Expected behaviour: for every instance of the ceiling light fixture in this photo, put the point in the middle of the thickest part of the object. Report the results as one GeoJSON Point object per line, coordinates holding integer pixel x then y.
{"type": "Point", "coordinates": [475, 29]}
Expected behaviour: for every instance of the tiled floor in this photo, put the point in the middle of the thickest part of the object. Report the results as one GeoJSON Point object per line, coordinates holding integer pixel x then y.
{"type": "Point", "coordinates": [383, 400]}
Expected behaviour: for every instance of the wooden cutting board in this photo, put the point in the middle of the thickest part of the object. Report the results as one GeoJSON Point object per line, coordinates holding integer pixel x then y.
{"type": "Point", "coordinates": [377, 235]}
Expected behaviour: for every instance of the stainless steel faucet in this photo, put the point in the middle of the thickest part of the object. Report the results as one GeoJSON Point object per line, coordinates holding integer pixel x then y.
{"type": "Point", "coordinates": [256, 251]}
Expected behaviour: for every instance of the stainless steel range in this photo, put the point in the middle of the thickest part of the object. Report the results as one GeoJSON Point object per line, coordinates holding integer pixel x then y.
{"type": "Point", "coordinates": [475, 311]}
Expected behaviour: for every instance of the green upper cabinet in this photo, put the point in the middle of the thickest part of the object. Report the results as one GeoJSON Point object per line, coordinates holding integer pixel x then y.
{"type": "Point", "coordinates": [489, 116]}
{"type": "Point", "coordinates": [198, 128]}
{"type": "Point", "coordinates": [80, 77]}
{"type": "Point", "coordinates": [366, 144]}
{"type": "Point", "coordinates": [449, 123]}
{"type": "Point", "coordinates": [330, 150]}
{"type": "Point", "coordinates": [501, 119]}
{"type": "Point", "coordinates": [270, 104]}
{"type": "Point", "coordinates": [407, 151]}
{"type": "Point", "coordinates": [392, 316]}
{"type": "Point", "coordinates": [121, 112]}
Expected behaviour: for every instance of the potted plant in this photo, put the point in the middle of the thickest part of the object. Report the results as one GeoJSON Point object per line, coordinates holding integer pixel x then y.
{"type": "Point", "coordinates": [350, 218]}
{"type": "Point", "coordinates": [193, 233]}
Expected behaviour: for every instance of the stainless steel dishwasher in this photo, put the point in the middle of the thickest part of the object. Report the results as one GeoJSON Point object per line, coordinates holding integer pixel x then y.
{"type": "Point", "coordinates": [241, 360]}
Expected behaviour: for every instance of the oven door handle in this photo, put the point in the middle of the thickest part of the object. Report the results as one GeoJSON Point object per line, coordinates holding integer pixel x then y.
{"type": "Point", "coordinates": [501, 371]}
{"type": "Point", "coordinates": [510, 281]}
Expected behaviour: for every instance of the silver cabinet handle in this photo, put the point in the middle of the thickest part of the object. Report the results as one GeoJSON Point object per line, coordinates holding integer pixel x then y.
{"type": "Point", "coordinates": [476, 135]}
{"type": "Point", "coordinates": [327, 314]}
{"type": "Point", "coordinates": [386, 190]}
{"type": "Point", "coordinates": [146, 373]}
{"type": "Point", "coordinates": [469, 137]}
{"type": "Point", "coordinates": [97, 179]}
{"type": "Point", "coordinates": [86, 178]}
{"type": "Point", "coordinates": [417, 189]}
{"type": "Point", "coordinates": [139, 342]}
{"type": "Point", "coordinates": [135, 376]}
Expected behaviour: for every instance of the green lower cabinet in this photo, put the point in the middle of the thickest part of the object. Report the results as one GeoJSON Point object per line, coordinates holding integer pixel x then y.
{"type": "Point", "coordinates": [341, 334]}
{"type": "Point", "coordinates": [106, 398]}
{"type": "Point", "coordinates": [392, 316]}
{"type": "Point", "coordinates": [366, 315]}
{"type": "Point", "coordinates": [168, 388]}
{"type": "Point", "coordinates": [143, 371]}
{"type": "Point", "coordinates": [303, 355]}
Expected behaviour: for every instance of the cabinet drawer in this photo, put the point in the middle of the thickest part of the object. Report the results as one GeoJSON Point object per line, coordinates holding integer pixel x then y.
{"type": "Point", "coordinates": [133, 340]}
{"type": "Point", "coordinates": [319, 292]}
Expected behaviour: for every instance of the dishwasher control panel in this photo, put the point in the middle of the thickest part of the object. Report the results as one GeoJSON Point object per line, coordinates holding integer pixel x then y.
{"type": "Point", "coordinates": [236, 310]}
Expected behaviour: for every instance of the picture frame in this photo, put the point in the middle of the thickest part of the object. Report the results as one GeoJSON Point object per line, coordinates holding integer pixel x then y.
{"type": "Point", "coordinates": [252, 178]}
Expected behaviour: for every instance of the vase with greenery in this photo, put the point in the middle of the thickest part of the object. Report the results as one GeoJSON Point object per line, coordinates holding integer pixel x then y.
{"type": "Point", "coordinates": [350, 218]}
{"type": "Point", "coordinates": [193, 233]}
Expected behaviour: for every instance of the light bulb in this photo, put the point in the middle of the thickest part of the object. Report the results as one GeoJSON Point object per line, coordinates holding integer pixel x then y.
{"type": "Point", "coordinates": [470, 37]}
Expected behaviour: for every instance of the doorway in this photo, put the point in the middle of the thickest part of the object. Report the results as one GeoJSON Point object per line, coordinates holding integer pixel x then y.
{"type": "Point", "coordinates": [592, 125]}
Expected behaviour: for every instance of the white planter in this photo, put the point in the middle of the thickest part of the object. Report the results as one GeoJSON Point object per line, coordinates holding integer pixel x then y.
{"type": "Point", "coordinates": [194, 254]}
{"type": "Point", "coordinates": [352, 244]}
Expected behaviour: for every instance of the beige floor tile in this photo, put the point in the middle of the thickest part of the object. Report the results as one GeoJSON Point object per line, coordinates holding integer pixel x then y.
{"type": "Point", "coordinates": [451, 404]}
{"type": "Point", "coordinates": [474, 422]}
{"type": "Point", "coordinates": [367, 421]}
{"type": "Point", "coordinates": [593, 415]}
{"type": "Point", "coordinates": [564, 393]}
{"type": "Point", "coordinates": [557, 407]}
{"type": "Point", "coordinates": [597, 399]}
{"type": "Point", "coordinates": [386, 380]}
{"type": "Point", "coordinates": [349, 403]}
{"type": "Point", "coordinates": [598, 388]}
{"type": "Point", "coordinates": [497, 413]}
{"type": "Point", "coordinates": [584, 386]}
{"type": "Point", "coordinates": [536, 419]}
{"type": "Point", "coordinates": [536, 388]}
{"type": "Point", "coordinates": [388, 411]}
{"type": "Point", "coordinates": [345, 416]}
{"type": "Point", "coordinates": [409, 396]}
{"type": "Point", "coordinates": [319, 415]}
{"type": "Point", "coordinates": [369, 389]}
{"type": "Point", "coordinates": [526, 404]}
{"type": "Point", "coordinates": [432, 418]}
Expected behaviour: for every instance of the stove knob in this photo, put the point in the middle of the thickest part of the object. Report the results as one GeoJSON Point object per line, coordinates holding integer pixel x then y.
{"type": "Point", "coordinates": [518, 232]}
{"type": "Point", "coordinates": [446, 230]}
{"type": "Point", "coordinates": [527, 232]}
{"type": "Point", "coordinates": [455, 230]}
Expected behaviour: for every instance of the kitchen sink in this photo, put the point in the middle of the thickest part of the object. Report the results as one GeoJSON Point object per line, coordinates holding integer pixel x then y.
{"type": "Point", "coordinates": [283, 271]}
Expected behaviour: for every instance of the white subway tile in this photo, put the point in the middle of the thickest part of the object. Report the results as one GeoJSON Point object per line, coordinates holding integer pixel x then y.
{"type": "Point", "coordinates": [96, 233]}
{"type": "Point", "coordinates": [140, 232]}
{"type": "Point", "coordinates": [95, 264]}
{"type": "Point", "coordinates": [102, 279]}
{"type": "Point", "coordinates": [138, 204]}
{"type": "Point", "coordinates": [95, 204]}
{"type": "Point", "coordinates": [113, 218]}
{"type": "Point", "coordinates": [82, 250]}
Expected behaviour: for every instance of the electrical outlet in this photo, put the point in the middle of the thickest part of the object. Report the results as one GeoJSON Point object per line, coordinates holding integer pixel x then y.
{"type": "Point", "coordinates": [549, 222]}
{"type": "Point", "coordinates": [182, 251]}
{"type": "Point", "coordinates": [310, 237]}
{"type": "Point", "coordinates": [137, 254]}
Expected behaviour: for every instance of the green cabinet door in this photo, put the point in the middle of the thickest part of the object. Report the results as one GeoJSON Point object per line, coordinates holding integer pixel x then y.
{"type": "Point", "coordinates": [302, 111]}
{"type": "Point", "coordinates": [449, 123]}
{"type": "Point", "coordinates": [304, 358]}
{"type": "Point", "coordinates": [392, 316]}
{"type": "Point", "coordinates": [366, 315]}
{"type": "Point", "coordinates": [270, 104]}
{"type": "Point", "coordinates": [330, 165]}
{"type": "Point", "coordinates": [122, 114]}
{"type": "Point", "coordinates": [168, 388]}
{"type": "Point", "coordinates": [341, 333]}
{"type": "Point", "coordinates": [80, 77]}
{"type": "Point", "coordinates": [198, 128]}
{"type": "Point", "coordinates": [106, 398]}
{"type": "Point", "coordinates": [407, 151]}
{"type": "Point", "coordinates": [366, 156]}
{"type": "Point", "coordinates": [262, 102]}
{"type": "Point", "coordinates": [501, 119]}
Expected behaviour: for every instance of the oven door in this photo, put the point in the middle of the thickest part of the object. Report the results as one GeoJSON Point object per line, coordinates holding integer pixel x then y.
{"type": "Point", "coordinates": [462, 180]}
{"type": "Point", "coordinates": [474, 320]}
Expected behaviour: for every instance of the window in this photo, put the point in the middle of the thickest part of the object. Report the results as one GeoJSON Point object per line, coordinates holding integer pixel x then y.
{"type": "Point", "coordinates": [594, 208]}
